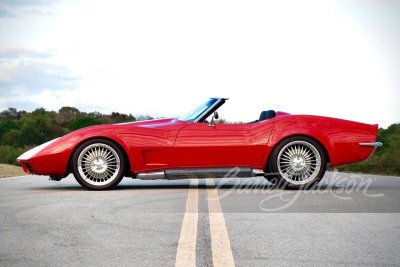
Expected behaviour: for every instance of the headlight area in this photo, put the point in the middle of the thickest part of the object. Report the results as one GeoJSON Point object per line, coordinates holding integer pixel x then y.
{"type": "Point", "coordinates": [30, 153]}
{"type": "Point", "coordinates": [24, 158]}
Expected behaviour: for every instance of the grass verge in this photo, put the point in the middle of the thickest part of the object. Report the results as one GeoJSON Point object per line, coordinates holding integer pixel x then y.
{"type": "Point", "coordinates": [11, 171]}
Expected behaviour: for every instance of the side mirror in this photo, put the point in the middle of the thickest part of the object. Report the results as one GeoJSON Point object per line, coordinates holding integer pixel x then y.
{"type": "Point", "coordinates": [216, 116]}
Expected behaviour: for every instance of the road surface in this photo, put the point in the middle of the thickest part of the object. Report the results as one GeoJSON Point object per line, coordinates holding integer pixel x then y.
{"type": "Point", "coordinates": [348, 220]}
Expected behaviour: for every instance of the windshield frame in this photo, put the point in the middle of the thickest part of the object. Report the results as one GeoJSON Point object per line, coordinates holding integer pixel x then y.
{"type": "Point", "coordinates": [199, 113]}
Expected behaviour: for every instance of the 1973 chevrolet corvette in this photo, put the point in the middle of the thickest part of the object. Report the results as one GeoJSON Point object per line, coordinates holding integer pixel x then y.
{"type": "Point", "coordinates": [289, 150]}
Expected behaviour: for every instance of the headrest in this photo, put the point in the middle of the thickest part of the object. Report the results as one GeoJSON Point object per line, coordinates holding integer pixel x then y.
{"type": "Point", "coordinates": [267, 115]}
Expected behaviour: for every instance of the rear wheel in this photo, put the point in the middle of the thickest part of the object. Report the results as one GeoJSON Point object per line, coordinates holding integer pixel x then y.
{"type": "Point", "coordinates": [297, 162]}
{"type": "Point", "coordinates": [98, 164]}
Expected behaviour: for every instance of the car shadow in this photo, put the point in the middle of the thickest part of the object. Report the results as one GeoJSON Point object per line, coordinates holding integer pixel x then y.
{"type": "Point", "coordinates": [162, 185]}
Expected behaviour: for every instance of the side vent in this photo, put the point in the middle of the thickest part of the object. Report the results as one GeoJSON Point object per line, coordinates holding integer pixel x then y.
{"type": "Point", "coordinates": [30, 168]}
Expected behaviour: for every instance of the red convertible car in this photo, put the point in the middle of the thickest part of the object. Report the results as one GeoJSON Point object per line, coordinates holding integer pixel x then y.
{"type": "Point", "coordinates": [289, 150]}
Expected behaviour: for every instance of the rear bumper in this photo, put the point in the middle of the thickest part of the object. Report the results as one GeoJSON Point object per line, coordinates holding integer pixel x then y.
{"type": "Point", "coordinates": [375, 145]}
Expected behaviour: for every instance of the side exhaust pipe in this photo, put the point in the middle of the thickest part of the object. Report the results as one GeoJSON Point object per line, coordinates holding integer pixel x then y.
{"type": "Point", "coordinates": [199, 173]}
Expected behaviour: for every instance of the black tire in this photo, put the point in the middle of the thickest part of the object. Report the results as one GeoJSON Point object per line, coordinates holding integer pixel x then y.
{"type": "Point", "coordinates": [102, 164]}
{"type": "Point", "coordinates": [297, 162]}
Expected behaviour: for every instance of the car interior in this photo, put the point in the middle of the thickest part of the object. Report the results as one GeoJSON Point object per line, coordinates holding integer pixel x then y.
{"type": "Point", "coordinates": [265, 115]}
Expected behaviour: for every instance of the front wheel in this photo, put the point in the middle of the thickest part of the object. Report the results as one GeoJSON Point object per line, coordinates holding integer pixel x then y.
{"type": "Point", "coordinates": [297, 162]}
{"type": "Point", "coordinates": [98, 164]}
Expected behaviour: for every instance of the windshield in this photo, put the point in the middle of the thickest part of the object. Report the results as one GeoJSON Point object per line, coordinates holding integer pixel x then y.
{"type": "Point", "coordinates": [197, 112]}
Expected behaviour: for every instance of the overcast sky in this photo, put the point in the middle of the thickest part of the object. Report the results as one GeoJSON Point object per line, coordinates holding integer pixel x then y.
{"type": "Point", "coordinates": [163, 58]}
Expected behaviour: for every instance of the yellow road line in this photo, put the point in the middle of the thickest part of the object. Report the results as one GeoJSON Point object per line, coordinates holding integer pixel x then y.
{"type": "Point", "coordinates": [186, 253]}
{"type": "Point", "coordinates": [221, 246]}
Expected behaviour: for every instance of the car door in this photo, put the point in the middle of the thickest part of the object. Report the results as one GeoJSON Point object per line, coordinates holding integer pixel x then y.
{"type": "Point", "coordinates": [222, 145]}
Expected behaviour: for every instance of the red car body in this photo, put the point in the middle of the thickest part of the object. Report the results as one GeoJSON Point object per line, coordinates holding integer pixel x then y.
{"type": "Point", "coordinates": [174, 144]}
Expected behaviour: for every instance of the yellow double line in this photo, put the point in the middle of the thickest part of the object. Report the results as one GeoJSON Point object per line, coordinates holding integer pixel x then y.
{"type": "Point", "coordinates": [220, 244]}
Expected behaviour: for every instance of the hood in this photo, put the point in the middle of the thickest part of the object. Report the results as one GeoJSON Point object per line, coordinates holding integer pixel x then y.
{"type": "Point", "coordinates": [147, 123]}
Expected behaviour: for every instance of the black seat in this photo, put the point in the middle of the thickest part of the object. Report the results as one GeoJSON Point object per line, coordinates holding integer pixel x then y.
{"type": "Point", "coordinates": [267, 115]}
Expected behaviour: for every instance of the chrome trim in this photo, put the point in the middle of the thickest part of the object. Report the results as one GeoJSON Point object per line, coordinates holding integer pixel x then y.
{"type": "Point", "coordinates": [188, 173]}
{"type": "Point", "coordinates": [210, 108]}
{"type": "Point", "coordinates": [212, 122]}
{"type": "Point", "coordinates": [375, 145]}
{"type": "Point", "coordinates": [207, 172]}
{"type": "Point", "coordinates": [151, 175]}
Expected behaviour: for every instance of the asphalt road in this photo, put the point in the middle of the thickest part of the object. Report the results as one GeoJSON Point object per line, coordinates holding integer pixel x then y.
{"type": "Point", "coordinates": [349, 220]}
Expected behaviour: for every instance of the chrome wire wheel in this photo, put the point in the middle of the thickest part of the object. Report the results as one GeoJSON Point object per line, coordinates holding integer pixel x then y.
{"type": "Point", "coordinates": [299, 162]}
{"type": "Point", "coordinates": [99, 164]}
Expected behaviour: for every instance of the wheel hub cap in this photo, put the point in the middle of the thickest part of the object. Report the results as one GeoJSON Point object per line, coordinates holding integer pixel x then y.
{"type": "Point", "coordinates": [298, 163]}
{"type": "Point", "coordinates": [99, 165]}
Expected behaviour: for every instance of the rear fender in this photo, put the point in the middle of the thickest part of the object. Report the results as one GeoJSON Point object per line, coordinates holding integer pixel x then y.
{"type": "Point", "coordinates": [340, 138]}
